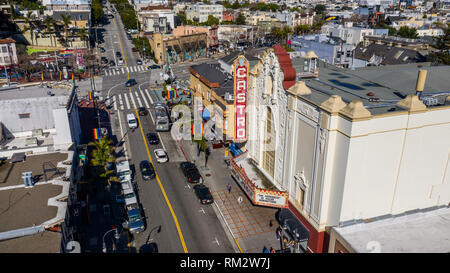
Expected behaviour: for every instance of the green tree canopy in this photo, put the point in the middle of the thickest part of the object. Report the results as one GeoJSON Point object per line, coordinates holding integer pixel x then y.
{"type": "Point", "coordinates": [240, 20]}
{"type": "Point", "coordinates": [212, 21]}
{"type": "Point", "coordinates": [407, 32]}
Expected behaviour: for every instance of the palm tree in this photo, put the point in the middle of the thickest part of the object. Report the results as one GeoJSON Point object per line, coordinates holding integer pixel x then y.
{"type": "Point", "coordinates": [103, 155]}
{"type": "Point", "coordinates": [30, 25]}
{"type": "Point", "coordinates": [48, 21]}
{"type": "Point", "coordinates": [83, 35]}
{"type": "Point", "coordinates": [66, 20]}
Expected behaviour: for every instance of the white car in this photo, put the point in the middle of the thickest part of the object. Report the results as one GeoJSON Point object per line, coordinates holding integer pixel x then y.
{"type": "Point", "coordinates": [161, 155]}
{"type": "Point", "coordinates": [120, 61]}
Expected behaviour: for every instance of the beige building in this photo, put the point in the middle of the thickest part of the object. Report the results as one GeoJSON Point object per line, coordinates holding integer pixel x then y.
{"type": "Point", "coordinates": [8, 53]}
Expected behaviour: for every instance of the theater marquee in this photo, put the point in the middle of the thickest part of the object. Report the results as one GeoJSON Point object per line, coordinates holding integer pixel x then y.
{"type": "Point", "coordinates": [240, 98]}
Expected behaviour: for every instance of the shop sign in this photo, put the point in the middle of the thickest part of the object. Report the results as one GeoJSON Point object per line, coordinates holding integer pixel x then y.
{"type": "Point", "coordinates": [240, 95]}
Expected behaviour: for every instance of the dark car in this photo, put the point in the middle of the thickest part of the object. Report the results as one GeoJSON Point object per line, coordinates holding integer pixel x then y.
{"type": "Point", "coordinates": [112, 63]}
{"type": "Point", "coordinates": [154, 66]}
{"type": "Point", "coordinates": [130, 82]}
{"type": "Point", "coordinates": [102, 49]}
{"type": "Point", "coordinates": [153, 138]}
{"type": "Point", "coordinates": [142, 111]}
{"type": "Point", "coordinates": [190, 171]}
{"type": "Point", "coordinates": [134, 49]}
{"type": "Point", "coordinates": [204, 194]}
{"type": "Point", "coordinates": [138, 61]}
{"type": "Point", "coordinates": [147, 170]}
{"type": "Point", "coordinates": [118, 54]}
{"type": "Point", "coordinates": [104, 60]}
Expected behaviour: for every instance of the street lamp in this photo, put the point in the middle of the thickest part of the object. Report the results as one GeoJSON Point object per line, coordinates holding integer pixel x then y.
{"type": "Point", "coordinates": [116, 236]}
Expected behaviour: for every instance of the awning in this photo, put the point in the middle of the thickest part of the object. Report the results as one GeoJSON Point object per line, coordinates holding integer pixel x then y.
{"type": "Point", "coordinates": [235, 151]}
{"type": "Point", "coordinates": [293, 226]}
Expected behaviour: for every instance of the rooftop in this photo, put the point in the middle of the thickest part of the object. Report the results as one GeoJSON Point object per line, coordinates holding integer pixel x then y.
{"type": "Point", "coordinates": [388, 84]}
{"type": "Point", "coordinates": [43, 242]}
{"type": "Point", "coordinates": [430, 232]}
{"type": "Point", "coordinates": [14, 93]}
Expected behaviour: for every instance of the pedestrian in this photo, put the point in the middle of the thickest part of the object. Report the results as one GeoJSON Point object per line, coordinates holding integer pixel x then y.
{"type": "Point", "coordinates": [270, 223]}
{"type": "Point", "coordinates": [278, 232]}
{"type": "Point", "coordinates": [265, 250]}
{"type": "Point", "coordinates": [201, 180]}
{"type": "Point", "coordinates": [272, 250]}
{"type": "Point", "coordinates": [229, 188]}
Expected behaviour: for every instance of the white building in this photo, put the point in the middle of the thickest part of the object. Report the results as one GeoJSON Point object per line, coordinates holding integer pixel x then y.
{"type": "Point", "coordinates": [348, 33]}
{"type": "Point", "coordinates": [350, 145]}
{"type": "Point", "coordinates": [8, 53]}
{"type": "Point", "coordinates": [201, 11]}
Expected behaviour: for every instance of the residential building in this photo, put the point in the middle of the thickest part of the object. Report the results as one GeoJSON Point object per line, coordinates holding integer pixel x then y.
{"type": "Point", "coordinates": [431, 32]}
{"type": "Point", "coordinates": [375, 54]}
{"type": "Point", "coordinates": [414, 44]}
{"type": "Point", "coordinates": [8, 53]}
{"type": "Point", "coordinates": [78, 10]}
{"type": "Point", "coordinates": [231, 35]}
{"type": "Point", "coordinates": [156, 19]}
{"type": "Point", "coordinates": [199, 12]}
{"type": "Point", "coordinates": [211, 32]}
{"type": "Point", "coordinates": [228, 15]}
{"type": "Point", "coordinates": [294, 19]}
{"type": "Point", "coordinates": [331, 50]}
{"type": "Point", "coordinates": [139, 4]}
{"type": "Point", "coordinates": [348, 33]}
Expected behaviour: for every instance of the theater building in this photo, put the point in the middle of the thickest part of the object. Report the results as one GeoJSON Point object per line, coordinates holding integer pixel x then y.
{"type": "Point", "coordinates": [337, 148]}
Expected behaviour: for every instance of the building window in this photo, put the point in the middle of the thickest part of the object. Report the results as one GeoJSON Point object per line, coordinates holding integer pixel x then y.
{"type": "Point", "coordinates": [269, 145]}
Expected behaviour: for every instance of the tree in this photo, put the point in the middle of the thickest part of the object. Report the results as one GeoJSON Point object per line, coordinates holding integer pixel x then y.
{"type": "Point", "coordinates": [48, 21]}
{"type": "Point", "coordinates": [407, 32]}
{"type": "Point", "coordinates": [30, 25]}
{"type": "Point", "coordinates": [235, 5]}
{"type": "Point", "coordinates": [97, 10]}
{"type": "Point", "coordinates": [83, 35]}
{"type": "Point", "coordinates": [182, 17]}
{"type": "Point", "coordinates": [212, 21]}
{"type": "Point", "coordinates": [302, 29]}
{"type": "Point", "coordinates": [102, 156]}
{"type": "Point", "coordinates": [443, 45]}
{"type": "Point", "coordinates": [66, 20]}
{"type": "Point", "coordinates": [319, 9]}
{"type": "Point", "coordinates": [240, 20]}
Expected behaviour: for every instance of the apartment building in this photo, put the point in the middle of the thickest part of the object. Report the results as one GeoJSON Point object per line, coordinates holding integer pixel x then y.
{"type": "Point", "coordinates": [199, 12]}
{"type": "Point", "coordinates": [8, 53]}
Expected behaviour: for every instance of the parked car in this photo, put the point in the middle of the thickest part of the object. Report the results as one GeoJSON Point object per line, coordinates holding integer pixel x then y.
{"type": "Point", "coordinates": [130, 82]}
{"type": "Point", "coordinates": [139, 62]}
{"type": "Point", "coordinates": [203, 194]}
{"type": "Point", "coordinates": [112, 63]}
{"type": "Point", "coordinates": [153, 138]}
{"type": "Point", "coordinates": [120, 61]}
{"type": "Point", "coordinates": [161, 155]}
{"type": "Point", "coordinates": [134, 49]}
{"type": "Point", "coordinates": [190, 171]}
{"type": "Point", "coordinates": [118, 54]}
{"type": "Point", "coordinates": [135, 222]}
{"type": "Point", "coordinates": [147, 170]}
{"type": "Point", "coordinates": [102, 50]}
{"type": "Point", "coordinates": [142, 111]}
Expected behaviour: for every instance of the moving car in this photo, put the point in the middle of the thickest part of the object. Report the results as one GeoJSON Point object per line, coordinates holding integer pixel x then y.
{"type": "Point", "coordinates": [130, 82]}
{"type": "Point", "coordinates": [153, 138]}
{"type": "Point", "coordinates": [131, 120]}
{"type": "Point", "coordinates": [203, 194]}
{"type": "Point", "coordinates": [161, 155]}
{"type": "Point", "coordinates": [118, 54]}
{"type": "Point", "coordinates": [147, 170]}
{"type": "Point", "coordinates": [112, 63]}
{"type": "Point", "coordinates": [134, 49]}
{"type": "Point", "coordinates": [120, 61]}
{"type": "Point", "coordinates": [142, 111]}
{"type": "Point", "coordinates": [154, 66]}
{"type": "Point", "coordinates": [102, 49]}
{"type": "Point", "coordinates": [190, 171]}
{"type": "Point", "coordinates": [104, 60]}
{"type": "Point", "coordinates": [139, 62]}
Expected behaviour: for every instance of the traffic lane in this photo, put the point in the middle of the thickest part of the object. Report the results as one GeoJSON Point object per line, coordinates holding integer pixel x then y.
{"type": "Point", "coordinates": [126, 44]}
{"type": "Point", "coordinates": [154, 206]}
{"type": "Point", "coordinates": [199, 224]}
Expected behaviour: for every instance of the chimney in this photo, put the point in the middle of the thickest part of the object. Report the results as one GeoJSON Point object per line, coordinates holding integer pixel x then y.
{"type": "Point", "coordinates": [420, 82]}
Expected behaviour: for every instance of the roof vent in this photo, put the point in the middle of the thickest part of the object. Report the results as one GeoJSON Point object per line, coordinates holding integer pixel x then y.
{"type": "Point", "coordinates": [370, 94]}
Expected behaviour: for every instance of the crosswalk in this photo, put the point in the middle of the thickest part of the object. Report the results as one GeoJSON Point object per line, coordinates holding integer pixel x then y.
{"type": "Point", "coordinates": [127, 101]}
{"type": "Point", "coordinates": [125, 69]}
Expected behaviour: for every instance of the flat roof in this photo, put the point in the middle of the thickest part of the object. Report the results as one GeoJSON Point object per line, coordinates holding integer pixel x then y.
{"type": "Point", "coordinates": [27, 92]}
{"type": "Point", "coordinates": [384, 82]}
{"type": "Point", "coordinates": [420, 232]}
{"type": "Point", "coordinates": [11, 173]}
{"type": "Point", "coordinates": [27, 207]}
{"type": "Point", "coordinates": [43, 242]}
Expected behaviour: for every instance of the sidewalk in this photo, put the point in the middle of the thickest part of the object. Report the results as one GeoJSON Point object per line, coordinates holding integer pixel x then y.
{"type": "Point", "coordinates": [249, 225]}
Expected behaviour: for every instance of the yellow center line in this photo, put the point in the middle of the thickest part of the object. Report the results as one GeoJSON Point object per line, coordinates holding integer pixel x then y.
{"type": "Point", "coordinates": [151, 161]}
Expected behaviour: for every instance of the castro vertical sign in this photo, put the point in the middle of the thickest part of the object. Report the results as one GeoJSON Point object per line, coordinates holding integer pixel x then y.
{"type": "Point", "coordinates": [240, 98]}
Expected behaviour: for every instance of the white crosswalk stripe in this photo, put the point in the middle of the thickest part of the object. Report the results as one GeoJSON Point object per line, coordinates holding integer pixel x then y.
{"type": "Point", "coordinates": [140, 68]}
{"type": "Point", "coordinates": [126, 100]}
{"type": "Point", "coordinates": [145, 100]}
{"type": "Point", "coordinates": [132, 100]}
{"type": "Point", "coordinates": [127, 69]}
{"type": "Point", "coordinates": [138, 99]}
{"type": "Point", "coordinates": [150, 97]}
{"type": "Point", "coordinates": [121, 102]}
{"type": "Point", "coordinates": [115, 103]}
{"type": "Point", "coordinates": [123, 70]}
